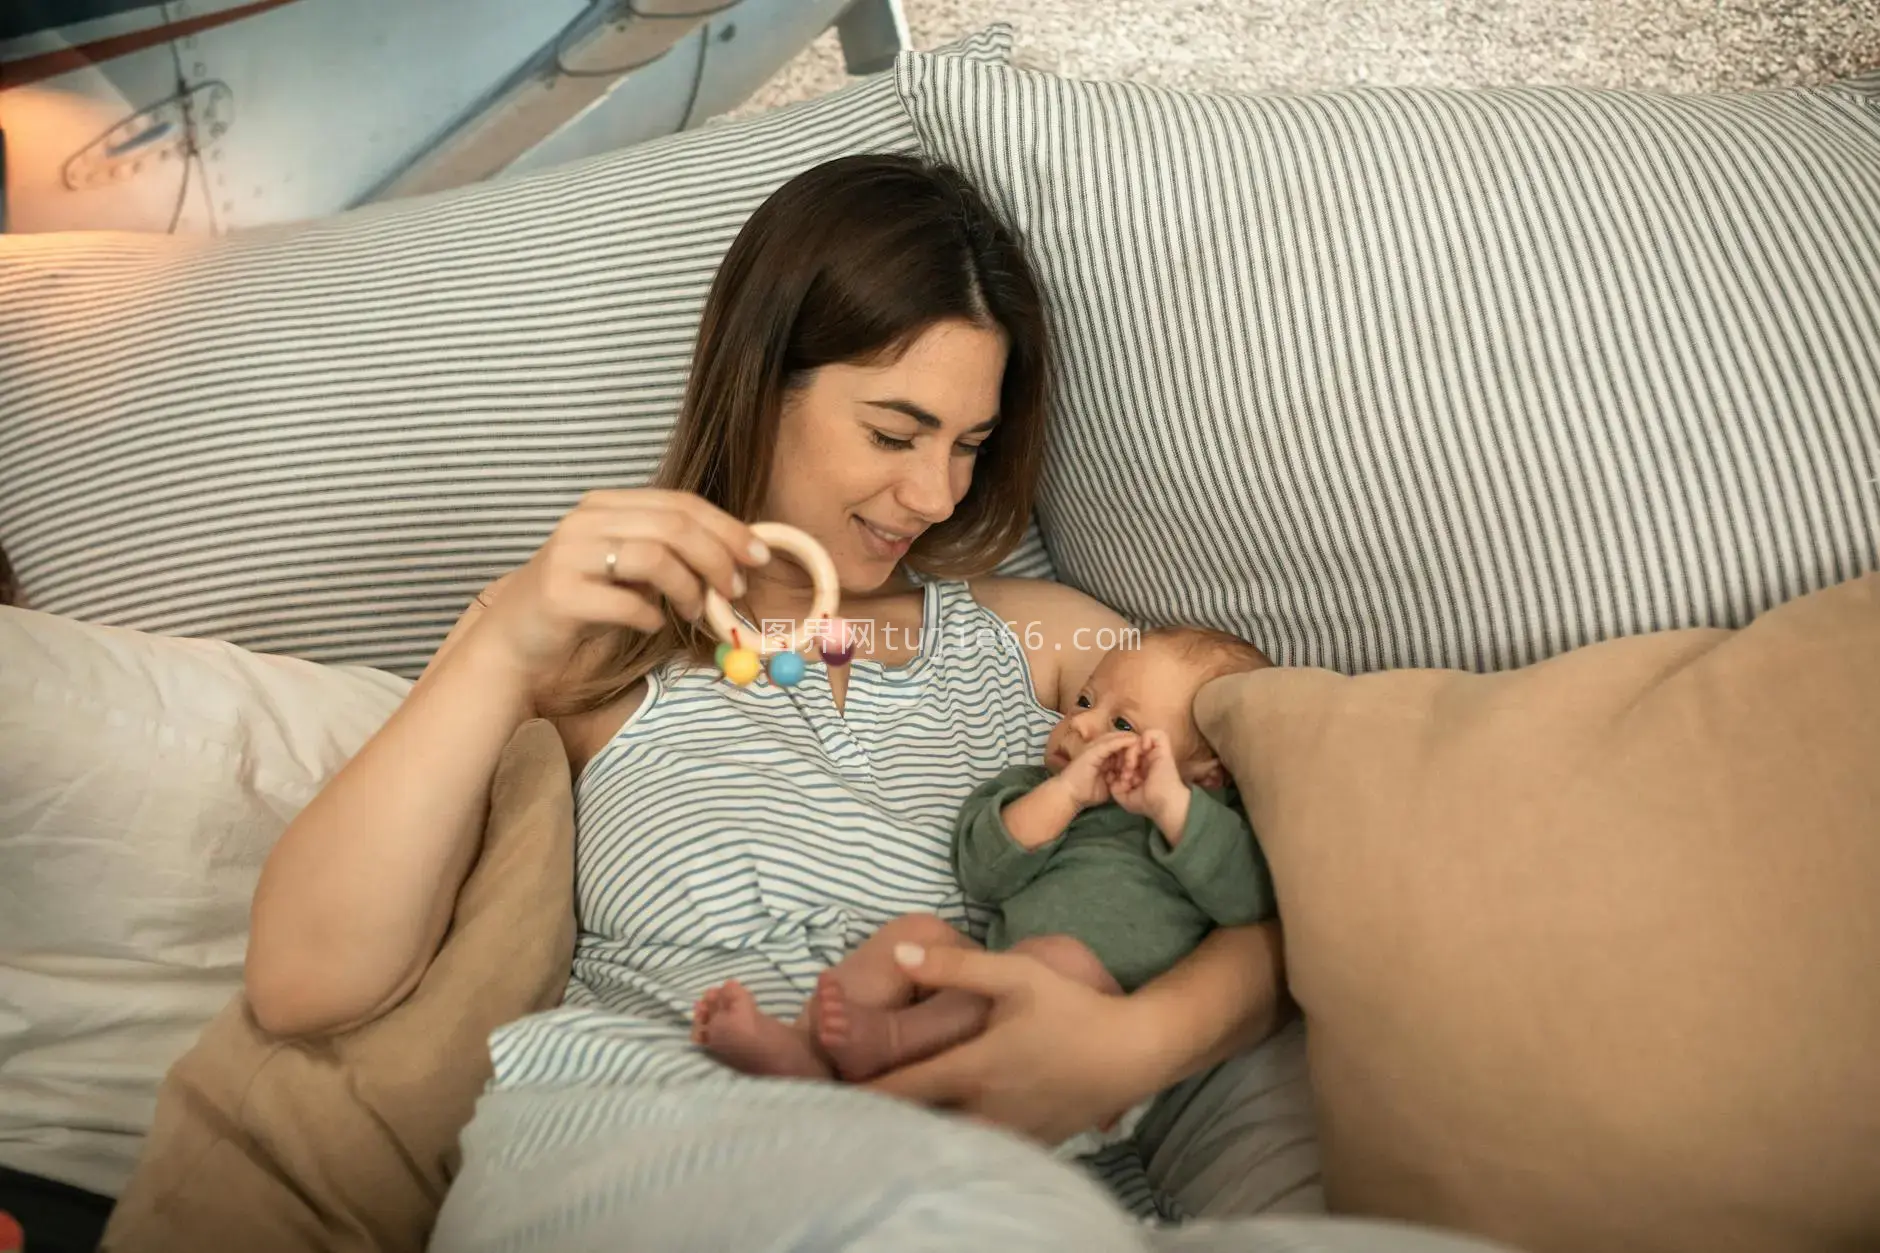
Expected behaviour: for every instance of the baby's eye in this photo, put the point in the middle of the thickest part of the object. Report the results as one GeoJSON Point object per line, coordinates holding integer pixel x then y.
{"type": "Point", "coordinates": [1122, 724]}
{"type": "Point", "coordinates": [1083, 702]}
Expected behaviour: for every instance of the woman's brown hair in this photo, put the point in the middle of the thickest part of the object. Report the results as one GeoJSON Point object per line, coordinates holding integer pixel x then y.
{"type": "Point", "coordinates": [9, 585]}
{"type": "Point", "coordinates": [848, 262]}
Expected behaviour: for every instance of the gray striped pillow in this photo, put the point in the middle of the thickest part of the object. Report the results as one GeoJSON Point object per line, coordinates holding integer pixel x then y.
{"type": "Point", "coordinates": [324, 439]}
{"type": "Point", "coordinates": [1399, 377]}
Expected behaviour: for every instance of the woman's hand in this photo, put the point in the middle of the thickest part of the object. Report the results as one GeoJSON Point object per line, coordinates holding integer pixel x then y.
{"type": "Point", "coordinates": [1057, 1057]}
{"type": "Point", "coordinates": [666, 546]}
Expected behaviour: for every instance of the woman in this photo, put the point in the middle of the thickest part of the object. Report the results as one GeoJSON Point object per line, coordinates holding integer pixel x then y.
{"type": "Point", "coordinates": [873, 368]}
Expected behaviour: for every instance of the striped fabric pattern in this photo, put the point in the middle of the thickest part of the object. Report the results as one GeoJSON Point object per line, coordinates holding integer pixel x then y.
{"type": "Point", "coordinates": [1404, 377]}
{"type": "Point", "coordinates": [695, 865]}
{"type": "Point", "coordinates": [773, 1165]}
{"type": "Point", "coordinates": [773, 862]}
{"type": "Point", "coordinates": [324, 439]}
{"type": "Point", "coordinates": [770, 863]}
{"type": "Point", "coordinates": [813, 1168]}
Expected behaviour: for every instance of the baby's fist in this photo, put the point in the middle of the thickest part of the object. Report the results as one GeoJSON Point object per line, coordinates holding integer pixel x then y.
{"type": "Point", "coordinates": [1092, 773]}
{"type": "Point", "coordinates": [1155, 787]}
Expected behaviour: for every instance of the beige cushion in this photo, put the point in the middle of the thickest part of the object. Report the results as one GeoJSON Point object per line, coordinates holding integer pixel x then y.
{"type": "Point", "coordinates": [1589, 952]}
{"type": "Point", "coordinates": [349, 1143]}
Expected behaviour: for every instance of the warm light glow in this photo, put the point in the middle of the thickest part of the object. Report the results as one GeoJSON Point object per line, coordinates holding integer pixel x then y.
{"type": "Point", "coordinates": [48, 124]}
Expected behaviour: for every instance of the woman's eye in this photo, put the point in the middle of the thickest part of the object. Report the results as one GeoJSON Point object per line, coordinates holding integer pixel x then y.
{"type": "Point", "coordinates": [968, 450]}
{"type": "Point", "coordinates": [1122, 724]}
{"type": "Point", "coordinates": [889, 441]}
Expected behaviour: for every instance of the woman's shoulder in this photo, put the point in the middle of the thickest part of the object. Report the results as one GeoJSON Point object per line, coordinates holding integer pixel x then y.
{"type": "Point", "coordinates": [1064, 632]}
{"type": "Point", "coordinates": [585, 734]}
{"type": "Point", "coordinates": [1003, 593]}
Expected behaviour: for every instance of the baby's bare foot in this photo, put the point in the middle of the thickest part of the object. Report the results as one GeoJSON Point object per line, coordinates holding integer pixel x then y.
{"type": "Point", "coordinates": [702, 1012]}
{"type": "Point", "coordinates": [727, 1022]}
{"type": "Point", "coordinates": [858, 1039]}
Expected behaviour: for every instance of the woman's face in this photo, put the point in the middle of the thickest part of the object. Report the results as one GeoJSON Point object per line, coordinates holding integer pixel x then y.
{"type": "Point", "coordinates": [869, 456]}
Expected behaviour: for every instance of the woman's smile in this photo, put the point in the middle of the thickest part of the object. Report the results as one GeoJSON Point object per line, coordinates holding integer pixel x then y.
{"type": "Point", "coordinates": [883, 545]}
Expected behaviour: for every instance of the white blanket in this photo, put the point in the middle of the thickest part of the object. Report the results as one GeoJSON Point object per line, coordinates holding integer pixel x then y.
{"type": "Point", "coordinates": [809, 1168]}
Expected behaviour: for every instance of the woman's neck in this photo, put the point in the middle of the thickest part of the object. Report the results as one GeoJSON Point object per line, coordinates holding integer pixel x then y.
{"type": "Point", "coordinates": [789, 599]}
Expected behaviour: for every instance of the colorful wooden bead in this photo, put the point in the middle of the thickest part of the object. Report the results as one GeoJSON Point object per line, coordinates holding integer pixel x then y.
{"type": "Point", "coordinates": [837, 644]}
{"type": "Point", "coordinates": [786, 669]}
{"type": "Point", "coordinates": [741, 666]}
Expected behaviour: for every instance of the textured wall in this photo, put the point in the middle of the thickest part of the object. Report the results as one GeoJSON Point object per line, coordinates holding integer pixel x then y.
{"type": "Point", "coordinates": [1669, 45]}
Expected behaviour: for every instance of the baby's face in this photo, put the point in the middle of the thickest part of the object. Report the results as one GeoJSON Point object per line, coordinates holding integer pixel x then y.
{"type": "Point", "coordinates": [1147, 688]}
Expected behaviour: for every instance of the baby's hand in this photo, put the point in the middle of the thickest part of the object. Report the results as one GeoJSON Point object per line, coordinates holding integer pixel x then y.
{"type": "Point", "coordinates": [1152, 785]}
{"type": "Point", "coordinates": [1089, 773]}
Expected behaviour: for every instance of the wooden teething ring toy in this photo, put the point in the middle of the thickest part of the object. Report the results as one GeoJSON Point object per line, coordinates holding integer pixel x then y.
{"type": "Point", "coordinates": [744, 645]}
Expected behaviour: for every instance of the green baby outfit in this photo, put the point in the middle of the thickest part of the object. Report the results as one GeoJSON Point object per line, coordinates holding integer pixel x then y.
{"type": "Point", "coordinates": [1111, 880]}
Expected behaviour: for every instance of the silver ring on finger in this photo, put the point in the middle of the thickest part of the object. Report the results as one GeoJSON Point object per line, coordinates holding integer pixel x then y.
{"type": "Point", "coordinates": [613, 560]}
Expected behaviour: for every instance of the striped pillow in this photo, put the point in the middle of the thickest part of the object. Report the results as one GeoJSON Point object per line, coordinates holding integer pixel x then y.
{"type": "Point", "coordinates": [1400, 377]}
{"type": "Point", "coordinates": [323, 439]}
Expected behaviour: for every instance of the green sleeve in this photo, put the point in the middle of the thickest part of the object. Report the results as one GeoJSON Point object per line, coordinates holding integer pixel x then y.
{"type": "Point", "coordinates": [1218, 863]}
{"type": "Point", "coordinates": [989, 863]}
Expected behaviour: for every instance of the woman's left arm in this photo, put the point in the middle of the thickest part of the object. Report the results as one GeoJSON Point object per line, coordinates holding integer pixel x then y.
{"type": "Point", "coordinates": [1057, 1057]}
{"type": "Point", "coordinates": [1240, 970]}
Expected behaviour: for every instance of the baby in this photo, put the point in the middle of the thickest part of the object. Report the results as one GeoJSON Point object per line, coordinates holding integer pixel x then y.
{"type": "Point", "coordinates": [1109, 863]}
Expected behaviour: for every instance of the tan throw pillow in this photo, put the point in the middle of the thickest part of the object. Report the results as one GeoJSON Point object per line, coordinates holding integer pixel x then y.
{"type": "Point", "coordinates": [349, 1143]}
{"type": "Point", "coordinates": [1589, 952]}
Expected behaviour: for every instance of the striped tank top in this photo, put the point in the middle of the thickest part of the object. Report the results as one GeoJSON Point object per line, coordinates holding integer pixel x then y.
{"type": "Point", "coordinates": [759, 834]}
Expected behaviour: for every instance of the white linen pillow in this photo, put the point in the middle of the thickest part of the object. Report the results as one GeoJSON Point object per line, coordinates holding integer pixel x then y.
{"type": "Point", "coordinates": [143, 780]}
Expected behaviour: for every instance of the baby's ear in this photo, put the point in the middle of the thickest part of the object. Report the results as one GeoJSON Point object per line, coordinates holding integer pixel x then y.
{"type": "Point", "coordinates": [1209, 773]}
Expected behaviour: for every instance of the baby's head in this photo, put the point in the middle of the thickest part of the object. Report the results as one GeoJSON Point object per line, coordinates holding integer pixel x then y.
{"type": "Point", "coordinates": [1151, 687]}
